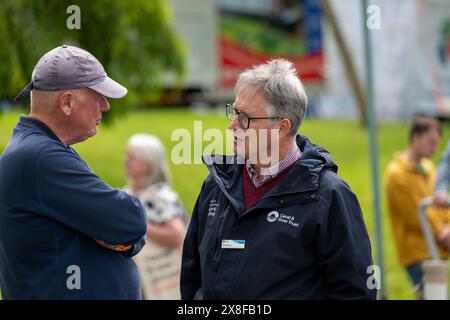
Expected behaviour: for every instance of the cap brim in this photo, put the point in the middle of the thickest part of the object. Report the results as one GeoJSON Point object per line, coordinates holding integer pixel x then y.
{"type": "Point", "coordinates": [24, 92]}
{"type": "Point", "coordinates": [110, 89]}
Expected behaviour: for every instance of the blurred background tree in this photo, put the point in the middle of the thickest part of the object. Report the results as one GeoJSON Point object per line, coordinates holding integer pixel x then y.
{"type": "Point", "coordinates": [134, 40]}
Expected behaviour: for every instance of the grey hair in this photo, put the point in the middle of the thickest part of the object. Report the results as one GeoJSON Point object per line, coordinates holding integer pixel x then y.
{"type": "Point", "coordinates": [151, 150]}
{"type": "Point", "coordinates": [277, 80]}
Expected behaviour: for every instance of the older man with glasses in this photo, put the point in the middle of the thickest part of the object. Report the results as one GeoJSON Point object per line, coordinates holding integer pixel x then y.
{"type": "Point", "coordinates": [280, 223]}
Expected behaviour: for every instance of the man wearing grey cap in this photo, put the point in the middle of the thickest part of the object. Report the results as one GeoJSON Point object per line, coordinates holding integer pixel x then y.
{"type": "Point", "coordinates": [65, 233]}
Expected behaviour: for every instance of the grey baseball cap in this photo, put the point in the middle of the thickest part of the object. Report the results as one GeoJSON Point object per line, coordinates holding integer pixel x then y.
{"type": "Point", "coordinates": [69, 67]}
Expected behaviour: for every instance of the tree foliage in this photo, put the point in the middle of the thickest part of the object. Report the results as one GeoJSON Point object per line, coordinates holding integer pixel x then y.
{"type": "Point", "coordinates": [134, 40]}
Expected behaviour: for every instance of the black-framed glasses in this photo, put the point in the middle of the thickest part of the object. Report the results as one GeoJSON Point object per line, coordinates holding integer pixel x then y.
{"type": "Point", "coordinates": [243, 118]}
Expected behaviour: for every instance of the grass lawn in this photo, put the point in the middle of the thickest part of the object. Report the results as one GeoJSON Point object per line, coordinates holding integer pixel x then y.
{"type": "Point", "coordinates": [347, 141]}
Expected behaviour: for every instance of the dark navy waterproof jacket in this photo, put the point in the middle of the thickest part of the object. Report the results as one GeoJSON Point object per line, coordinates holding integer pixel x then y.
{"type": "Point", "coordinates": [305, 239]}
{"type": "Point", "coordinates": [52, 207]}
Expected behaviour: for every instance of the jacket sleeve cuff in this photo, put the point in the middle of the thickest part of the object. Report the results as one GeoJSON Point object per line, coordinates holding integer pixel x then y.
{"type": "Point", "coordinates": [135, 248]}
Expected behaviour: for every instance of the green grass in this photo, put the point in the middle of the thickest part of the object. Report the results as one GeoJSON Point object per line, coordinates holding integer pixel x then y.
{"type": "Point", "coordinates": [346, 140]}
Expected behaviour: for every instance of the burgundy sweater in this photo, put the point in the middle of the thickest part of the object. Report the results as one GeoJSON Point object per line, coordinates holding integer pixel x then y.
{"type": "Point", "coordinates": [253, 194]}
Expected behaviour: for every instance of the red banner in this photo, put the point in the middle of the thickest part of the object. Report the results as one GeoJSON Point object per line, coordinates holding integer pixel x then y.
{"type": "Point", "coordinates": [235, 58]}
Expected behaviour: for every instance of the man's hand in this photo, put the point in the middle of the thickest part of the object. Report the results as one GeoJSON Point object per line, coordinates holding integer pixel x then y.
{"type": "Point", "coordinates": [119, 247]}
{"type": "Point", "coordinates": [444, 237]}
{"type": "Point", "coordinates": [440, 199]}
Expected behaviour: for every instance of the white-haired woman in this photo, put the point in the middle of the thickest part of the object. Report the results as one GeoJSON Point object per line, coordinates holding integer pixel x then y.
{"type": "Point", "coordinates": [148, 178]}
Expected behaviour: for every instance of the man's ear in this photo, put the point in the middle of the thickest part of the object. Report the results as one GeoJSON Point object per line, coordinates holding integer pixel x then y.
{"type": "Point", "coordinates": [65, 101]}
{"type": "Point", "coordinates": [285, 127]}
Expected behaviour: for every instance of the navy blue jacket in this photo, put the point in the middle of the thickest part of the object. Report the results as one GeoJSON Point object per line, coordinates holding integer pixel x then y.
{"type": "Point", "coordinates": [52, 207]}
{"type": "Point", "coordinates": [305, 239]}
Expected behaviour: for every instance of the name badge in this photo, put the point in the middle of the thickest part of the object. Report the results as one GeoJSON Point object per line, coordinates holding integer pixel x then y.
{"type": "Point", "coordinates": [233, 244]}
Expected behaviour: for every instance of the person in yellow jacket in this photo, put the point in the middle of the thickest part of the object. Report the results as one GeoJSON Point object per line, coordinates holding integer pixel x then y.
{"type": "Point", "coordinates": [410, 178]}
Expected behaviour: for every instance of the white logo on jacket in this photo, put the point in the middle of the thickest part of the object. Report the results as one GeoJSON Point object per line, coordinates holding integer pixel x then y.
{"type": "Point", "coordinates": [273, 216]}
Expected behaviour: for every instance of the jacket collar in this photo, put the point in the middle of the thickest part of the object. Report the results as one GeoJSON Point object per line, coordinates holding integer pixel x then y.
{"type": "Point", "coordinates": [304, 176]}
{"type": "Point", "coordinates": [422, 167]}
{"type": "Point", "coordinates": [30, 124]}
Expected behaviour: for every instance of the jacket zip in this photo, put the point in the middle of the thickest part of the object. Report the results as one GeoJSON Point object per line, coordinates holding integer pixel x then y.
{"type": "Point", "coordinates": [219, 236]}
{"type": "Point", "coordinates": [280, 204]}
{"type": "Point", "coordinates": [276, 195]}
